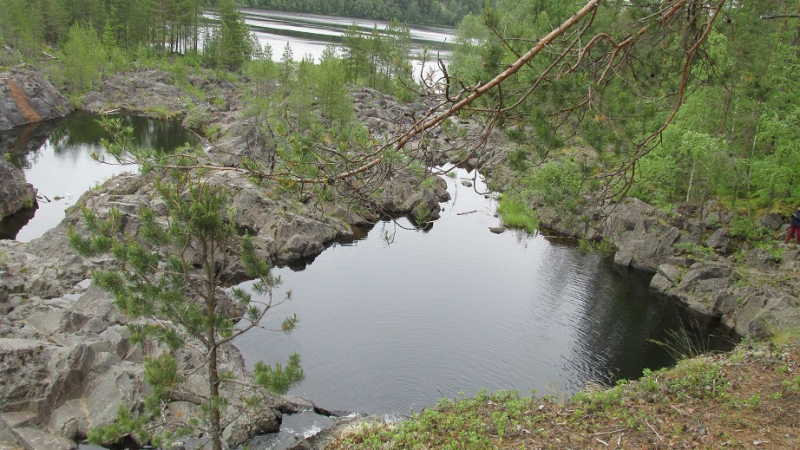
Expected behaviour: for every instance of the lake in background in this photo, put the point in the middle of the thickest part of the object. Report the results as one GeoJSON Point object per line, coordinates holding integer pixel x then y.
{"type": "Point", "coordinates": [309, 34]}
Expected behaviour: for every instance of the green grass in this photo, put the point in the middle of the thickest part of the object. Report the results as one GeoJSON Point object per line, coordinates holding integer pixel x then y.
{"type": "Point", "coordinates": [516, 214]}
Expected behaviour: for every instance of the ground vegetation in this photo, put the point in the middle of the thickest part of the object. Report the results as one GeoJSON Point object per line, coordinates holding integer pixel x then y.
{"type": "Point", "coordinates": [745, 399]}
{"type": "Point", "coordinates": [171, 276]}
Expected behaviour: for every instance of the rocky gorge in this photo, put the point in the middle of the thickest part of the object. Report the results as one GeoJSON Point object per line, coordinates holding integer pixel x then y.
{"type": "Point", "coordinates": [66, 358]}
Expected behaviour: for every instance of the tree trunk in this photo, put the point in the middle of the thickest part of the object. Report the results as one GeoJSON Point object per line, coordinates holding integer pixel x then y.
{"type": "Point", "coordinates": [213, 385]}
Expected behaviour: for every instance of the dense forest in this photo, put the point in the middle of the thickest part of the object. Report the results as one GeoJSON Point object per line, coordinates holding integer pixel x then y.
{"type": "Point", "coordinates": [28, 24]}
{"type": "Point", "coordinates": [425, 12]}
{"type": "Point", "coordinates": [734, 138]}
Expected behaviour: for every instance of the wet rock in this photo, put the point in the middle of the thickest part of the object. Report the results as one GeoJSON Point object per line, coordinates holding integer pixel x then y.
{"type": "Point", "coordinates": [35, 439]}
{"type": "Point", "coordinates": [659, 283]}
{"type": "Point", "coordinates": [671, 272]}
{"type": "Point", "coordinates": [403, 195]}
{"type": "Point", "coordinates": [98, 303]}
{"type": "Point", "coordinates": [144, 91]}
{"type": "Point", "coordinates": [249, 424]}
{"type": "Point", "coordinates": [641, 233]}
{"type": "Point", "coordinates": [23, 372]}
{"type": "Point", "coordinates": [725, 302]}
{"type": "Point", "coordinates": [715, 215]}
{"type": "Point", "coordinates": [98, 402]}
{"type": "Point", "coordinates": [15, 192]}
{"type": "Point", "coordinates": [771, 221]}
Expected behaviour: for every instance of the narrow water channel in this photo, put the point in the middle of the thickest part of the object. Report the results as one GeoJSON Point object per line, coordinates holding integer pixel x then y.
{"type": "Point", "coordinates": [56, 159]}
{"type": "Point", "coordinates": [386, 328]}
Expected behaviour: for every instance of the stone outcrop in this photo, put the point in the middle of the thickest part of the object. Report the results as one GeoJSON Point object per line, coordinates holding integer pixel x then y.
{"type": "Point", "coordinates": [696, 261]}
{"type": "Point", "coordinates": [151, 92]}
{"type": "Point", "coordinates": [146, 91]}
{"type": "Point", "coordinates": [27, 97]}
{"type": "Point", "coordinates": [70, 342]}
{"type": "Point", "coordinates": [67, 364]}
{"type": "Point", "coordinates": [15, 192]}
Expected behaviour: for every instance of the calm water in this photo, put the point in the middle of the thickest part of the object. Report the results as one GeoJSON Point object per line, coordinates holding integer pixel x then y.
{"type": "Point", "coordinates": [309, 34]}
{"type": "Point", "coordinates": [56, 159]}
{"type": "Point", "coordinates": [387, 328]}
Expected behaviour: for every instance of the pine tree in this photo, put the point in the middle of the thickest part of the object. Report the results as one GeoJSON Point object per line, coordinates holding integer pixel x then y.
{"type": "Point", "coordinates": [171, 276]}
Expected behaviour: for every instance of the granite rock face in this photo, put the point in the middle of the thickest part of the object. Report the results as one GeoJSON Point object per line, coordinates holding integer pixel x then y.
{"type": "Point", "coordinates": [27, 97]}
{"type": "Point", "coordinates": [15, 192]}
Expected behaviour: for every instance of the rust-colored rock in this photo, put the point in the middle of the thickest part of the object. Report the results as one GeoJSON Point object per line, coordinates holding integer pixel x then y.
{"type": "Point", "coordinates": [27, 97]}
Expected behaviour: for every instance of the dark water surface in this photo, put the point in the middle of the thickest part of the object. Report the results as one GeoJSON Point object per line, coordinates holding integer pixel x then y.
{"type": "Point", "coordinates": [388, 328]}
{"type": "Point", "coordinates": [56, 159]}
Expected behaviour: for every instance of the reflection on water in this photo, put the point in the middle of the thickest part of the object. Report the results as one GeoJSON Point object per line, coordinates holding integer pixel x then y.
{"type": "Point", "coordinates": [385, 328]}
{"type": "Point", "coordinates": [56, 159]}
{"type": "Point", "coordinates": [309, 34]}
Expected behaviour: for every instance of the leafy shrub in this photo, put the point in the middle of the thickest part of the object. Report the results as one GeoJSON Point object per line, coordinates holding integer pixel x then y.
{"type": "Point", "coordinates": [746, 228]}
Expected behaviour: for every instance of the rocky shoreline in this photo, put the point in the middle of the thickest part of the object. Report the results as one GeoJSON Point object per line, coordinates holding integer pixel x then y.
{"type": "Point", "coordinates": [752, 290]}
{"type": "Point", "coordinates": [66, 359]}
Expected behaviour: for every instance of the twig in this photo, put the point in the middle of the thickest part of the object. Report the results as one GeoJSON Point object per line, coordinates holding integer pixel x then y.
{"type": "Point", "coordinates": [601, 441]}
{"type": "Point", "coordinates": [465, 213]}
{"type": "Point", "coordinates": [609, 432]}
{"type": "Point", "coordinates": [654, 430]}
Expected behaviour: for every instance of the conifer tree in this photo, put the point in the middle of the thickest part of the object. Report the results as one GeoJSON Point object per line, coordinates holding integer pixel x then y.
{"type": "Point", "coordinates": [171, 277]}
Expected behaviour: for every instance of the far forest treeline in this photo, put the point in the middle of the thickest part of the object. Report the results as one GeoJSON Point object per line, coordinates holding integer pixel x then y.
{"type": "Point", "coordinates": [176, 24]}
{"type": "Point", "coordinates": [424, 12]}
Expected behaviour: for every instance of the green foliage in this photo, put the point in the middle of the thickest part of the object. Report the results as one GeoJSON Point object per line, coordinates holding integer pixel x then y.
{"type": "Point", "coordinates": [22, 26]}
{"type": "Point", "coordinates": [697, 378]}
{"type": "Point", "coordinates": [172, 272]}
{"type": "Point", "coordinates": [745, 228]}
{"type": "Point", "coordinates": [603, 247]}
{"type": "Point", "coordinates": [84, 59]}
{"type": "Point", "coordinates": [692, 249]}
{"type": "Point", "coordinates": [516, 214]}
{"type": "Point", "coordinates": [332, 96]}
{"type": "Point", "coordinates": [379, 59]}
{"type": "Point", "coordinates": [279, 379]}
{"type": "Point", "coordinates": [229, 45]}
